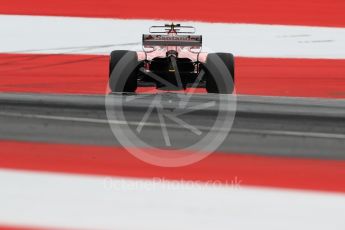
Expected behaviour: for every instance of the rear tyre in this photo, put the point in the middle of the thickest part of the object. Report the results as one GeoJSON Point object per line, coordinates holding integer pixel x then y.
{"type": "Point", "coordinates": [220, 73]}
{"type": "Point", "coordinates": [126, 64]}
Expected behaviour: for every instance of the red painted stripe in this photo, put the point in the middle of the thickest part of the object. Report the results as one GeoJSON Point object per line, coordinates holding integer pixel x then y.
{"type": "Point", "coordinates": [313, 174]}
{"type": "Point", "coordinates": [306, 12]}
{"type": "Point", "coordinates": [53, 73]}
{"type": "Point", "coordinates": [88, 74]}
{"type": "Point", "coordinates": [291, 77]}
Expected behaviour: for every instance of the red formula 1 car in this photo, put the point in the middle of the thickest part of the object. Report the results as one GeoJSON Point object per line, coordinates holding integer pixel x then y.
{"type": "Point", "coordinates": [172, 59]}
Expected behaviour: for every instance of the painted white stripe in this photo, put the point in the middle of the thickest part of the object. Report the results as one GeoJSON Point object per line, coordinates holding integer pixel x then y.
{"type": "Point", "coordinates": [38, 34]}
{"type": "Point", "coordinates": [58, 200]}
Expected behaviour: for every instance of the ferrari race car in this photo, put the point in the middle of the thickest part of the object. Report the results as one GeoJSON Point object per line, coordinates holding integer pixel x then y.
{"type": "Point", "coordinates": [171, 59]}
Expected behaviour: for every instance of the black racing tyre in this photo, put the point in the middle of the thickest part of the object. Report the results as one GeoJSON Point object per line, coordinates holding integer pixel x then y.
{"type": "Point", "coordinates": [126, 81]}
{"type": "Point", "coordinates": [220, 73]}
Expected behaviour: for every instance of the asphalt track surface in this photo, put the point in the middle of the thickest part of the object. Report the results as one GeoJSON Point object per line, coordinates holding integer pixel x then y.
{"type": "Point", "coordinates": [276, 126]}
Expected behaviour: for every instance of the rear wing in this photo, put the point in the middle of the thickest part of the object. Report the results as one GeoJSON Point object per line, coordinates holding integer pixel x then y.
{"type": "Point", "coordinates": [175, 27]}
{"type": "Point", "coordinates": [167, 40]}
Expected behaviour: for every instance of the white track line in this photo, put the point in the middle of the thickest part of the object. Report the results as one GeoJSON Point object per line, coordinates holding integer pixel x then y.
{"type": "Point", "coordinates": [176, 126]}
{"type": "Point", "coordinates": [25, 34]}
{"type": "Point", "coordinates": [90, 202]}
